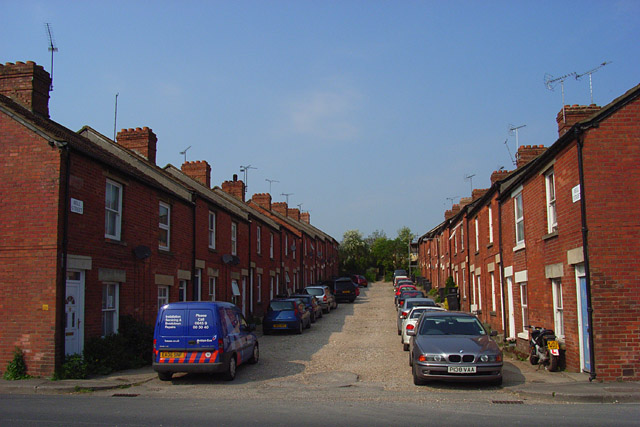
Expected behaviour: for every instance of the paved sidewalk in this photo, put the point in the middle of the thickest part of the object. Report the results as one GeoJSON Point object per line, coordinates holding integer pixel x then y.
{"type": "Point", "coordinates": [521, 379]}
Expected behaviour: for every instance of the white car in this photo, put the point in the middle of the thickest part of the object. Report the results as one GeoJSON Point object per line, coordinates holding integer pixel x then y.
{"type": "Point", "coordinates": [411, 320]}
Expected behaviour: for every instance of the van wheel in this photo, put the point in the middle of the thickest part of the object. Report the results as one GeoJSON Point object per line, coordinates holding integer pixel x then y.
{"type": "Point", "coordinates": [299, 330]}
{"type": "Point", "coordinates": [165, 376]}
{"type": "Point", "coordinates": [405, 347]}
{"type": "Point", "coordinates": [230, 375]}
{"type": "Point", "coordinates": [256, 355]}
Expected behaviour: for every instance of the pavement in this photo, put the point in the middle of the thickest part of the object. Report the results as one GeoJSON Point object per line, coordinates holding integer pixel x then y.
{"type": "Point", "coordinates": [520, 379]}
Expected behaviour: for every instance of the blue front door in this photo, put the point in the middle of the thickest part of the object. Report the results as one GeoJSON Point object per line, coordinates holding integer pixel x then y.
{"type": "Point", "coordinates": [586, 355]}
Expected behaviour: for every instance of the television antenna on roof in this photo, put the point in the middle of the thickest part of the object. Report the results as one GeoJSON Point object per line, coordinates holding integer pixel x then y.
{"type": "Point", "coordinates": [52, 49]}
{"type": "Point", "coordinates": [470, 179]}
{"type": "Point", "coordinates": [590, 72]}
{"type": "Point", "coordinates": [271, 181]}
{"type": "Point", "coordinates": [286, 195]}
{"type": "Point", "coordinates": [551, 83]}
{"type": "Point", "coordinates": [451, 199]}
{"type": "Point", "coordinates": [184, 153]}
{"type": "Point", "coordinates": [245, 170]}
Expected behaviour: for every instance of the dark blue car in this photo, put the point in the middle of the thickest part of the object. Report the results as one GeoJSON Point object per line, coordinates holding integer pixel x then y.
{"type": "Point", "coordinates": [286, 314]}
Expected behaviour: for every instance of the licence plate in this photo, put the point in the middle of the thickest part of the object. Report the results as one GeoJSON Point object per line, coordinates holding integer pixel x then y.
{"type": "Point", "coordinates": [461, 369]}
{"type": "Point", "coordinates": [172, 354]}
{"type": "Point", "coordinates": [552, 345]}
{"type": "Point", "coordinates": [279, 325]}
{"type": "Point", "coordinates": [346, 292]}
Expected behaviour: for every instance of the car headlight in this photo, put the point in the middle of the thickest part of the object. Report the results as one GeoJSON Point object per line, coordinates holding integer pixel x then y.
{"type": "Point", "coordinates": [431, 358]}
{"type": "Point", "coordinates": [491, 358]}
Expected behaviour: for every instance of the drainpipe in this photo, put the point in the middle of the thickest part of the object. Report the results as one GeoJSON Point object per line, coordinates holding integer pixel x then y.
{"type": "Point", "coordinates": [62, 281]}
{"type": "Point", "coordinates": [585, 249]}
{"type": "Point", "coordinates": [502, 281]}
{"type": "Point", "coordinates": [251, 297]}
{"type": "Point", "coordinates": [467, 258]}
{"type": "Point", "coordinates": [194, 199]}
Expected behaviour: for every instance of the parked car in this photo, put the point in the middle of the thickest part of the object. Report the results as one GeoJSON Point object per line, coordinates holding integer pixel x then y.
{"type": "Point", "coordinates": [312, 305]}
{"type": "Point", "coordinates": [409, 293]}
{"type": "Point", "coordinates": [399, 291]}
{"type": "Point", "coordinates": [344, 289]}
{"type": "Point", "coordinates": [408, 304]}
{"type": "Point", "coordinates": [410, 322]}
{"type": "Point", "coordinates": [325, 297]}
{"type": "Point", "coordinates": [453, 346]}
{"type": "Point", "coordinates": [359, 280]}
{"type": "Point", "coordinates": [209, 337]}
{"type": "Point", "coordinates": [399, 272]}
{"type": "Point", "coordinates": [398, 279]}
{"type": "Point", "coordinates": [286, 314]}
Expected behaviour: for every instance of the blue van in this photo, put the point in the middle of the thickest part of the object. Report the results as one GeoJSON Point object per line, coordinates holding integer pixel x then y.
{"type": "Point", "coordinates": [209, 337]}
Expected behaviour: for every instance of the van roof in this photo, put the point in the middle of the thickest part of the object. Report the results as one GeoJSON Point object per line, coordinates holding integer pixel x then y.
{"type": "Point", "coordinates": [196, 304]}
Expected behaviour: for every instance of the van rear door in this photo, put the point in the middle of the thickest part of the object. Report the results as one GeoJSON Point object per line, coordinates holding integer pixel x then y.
{"type": "Point", "coordinates": [202, 330]}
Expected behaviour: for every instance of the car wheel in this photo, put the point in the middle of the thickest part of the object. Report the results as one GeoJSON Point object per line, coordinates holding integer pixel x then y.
{"type": "Point", "coordinates": [533, 357]}
{"type": "Point", "coordinates": [497, 382]}
{"type": "Point", "coordinates": [320, 314]}
{"type": "Point", "coordinates": [313, 318]}
{"type": "Point", "coordinates": [255, 356]}
{"type": "Point", "coordinates": [309, 324]}
{"type": "Point", "coordinates": [328, 309]}
{"type": "Point", "coordinates": [399, 332]}
{"type": "Point", "coordinates": [405, 347]}
{"type": "Point", "coordinates": [165, 376]}
{"type": "Point", "coordinates": [417, 380]}
{"type": "Point", "coordinates": [230, 375]}
{"type": "Point", "coordinates": [410, 359]}
{"type": "Point", "coordinates": [553, 363]}
{"type": "Point", "coordinates": [299, 330]}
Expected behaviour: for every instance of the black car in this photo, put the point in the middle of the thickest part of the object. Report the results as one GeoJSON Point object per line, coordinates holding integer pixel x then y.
{"type": "Point", "coordinates": [312, 305]}
{"type": "Point", "coordinates": [343, 289]}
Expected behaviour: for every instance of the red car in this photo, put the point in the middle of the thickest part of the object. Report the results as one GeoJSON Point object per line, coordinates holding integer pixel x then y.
{"type": "Point", "coordinates": [359, 280]}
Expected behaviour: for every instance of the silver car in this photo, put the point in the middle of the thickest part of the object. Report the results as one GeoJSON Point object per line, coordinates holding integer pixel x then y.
{"type": "Point", "coordinates": [453, 346]}
{"type": "Point", "coordinates": [325, 297]}
{"type": "Point", "coordinates": [406, 307]}
{"type": "Point", "coordinates": [411, 321]}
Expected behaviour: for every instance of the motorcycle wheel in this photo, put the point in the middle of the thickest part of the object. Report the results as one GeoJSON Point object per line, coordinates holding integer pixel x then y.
{"type": "Point", "coordinates": [533, 357]}
{"type": "Point", "coordinates": [553, 363]}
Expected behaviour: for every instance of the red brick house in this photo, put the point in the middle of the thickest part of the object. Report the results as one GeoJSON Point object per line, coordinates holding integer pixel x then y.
{"type": "Point", "coordinates": [557, 242]}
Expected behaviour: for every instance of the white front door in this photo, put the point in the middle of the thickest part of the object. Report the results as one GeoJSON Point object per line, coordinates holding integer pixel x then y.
{"type": "Point", "coordinates": [512, 316]}
{"type": "Point", "coordinates": [74, 312]}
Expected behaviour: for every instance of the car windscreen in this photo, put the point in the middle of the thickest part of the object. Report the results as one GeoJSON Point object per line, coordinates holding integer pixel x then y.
{"type": "Point", "coordinates": [416, 313]}
{"type": "Point", "coordinates": [344, 285]}
{"type": "Point", "coordinates": [420, 304]}
{"type": "Point", "coordinates": [281, 305]}
{"type": "Point", "coordinates": [315, 291]}
{"type": "Point", "coordinates": [451, 325]}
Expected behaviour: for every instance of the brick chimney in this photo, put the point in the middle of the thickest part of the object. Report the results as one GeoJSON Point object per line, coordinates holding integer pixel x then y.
{"type": "Point", "coordinates": [526, 153]}
{"type": "Point", "coordinates": [477, 193]}
{"type": "Point", "coordinates": [263, 200]}
{"type": "Point", "coordinates": [305, 217]}
{"type": "Point", "coordinates": [27, 84]}
{"type": "Point", "coordinates": [235, 188]}
{"type": "Point", "coordinates": [294, 213]}
{"type": "Point", "coordinates": [499, 176]}
{"type": "Point", "coordinates": [572, 114]}
{"type": "Point", "coordinates": [198, 170]}
{"type": "Point", "coordinates": [280, 207]}
{"type": "Point", "coordinates": [464, 201]}
{"type": "Point", "coordinates": [141, 140]}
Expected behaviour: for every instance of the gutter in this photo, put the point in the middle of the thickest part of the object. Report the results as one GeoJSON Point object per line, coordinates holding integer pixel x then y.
{"type": "Point", "coordinates": [61, 286]}
{"type": "Point", "coordinates": [579, 133]}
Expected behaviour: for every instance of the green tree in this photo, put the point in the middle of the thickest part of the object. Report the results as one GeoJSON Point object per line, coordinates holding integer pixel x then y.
{"type": "Point", "coordinates": [354, 253]}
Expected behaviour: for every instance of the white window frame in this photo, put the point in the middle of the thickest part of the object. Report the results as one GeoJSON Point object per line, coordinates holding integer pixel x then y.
{"type": "Point", "coordinates": [518, 214]}
{"type": "Point", "coordinates": [479, 292]}
{"type": "Point", "coordinates": [259, 240]}
{"type": "Point", "coordinates": [197, 280]}
{"type": "Point", "coordinates": [110, 307]}
{"type": "Point", "coordinates": [558, 308]}
{"type": "Point", "coordinates": [116, 212]}
{"type": "Point", "coordinates": [461, 237]}
{"type": "Point", "coordinates": [163, 295]}
{"type": "Point", "coordinates": [286, 244]}
{"type": "Point", "coordinates": [493, 292]}
{"type": "Point", "coordinates": [477, 235]}
{"type": "Point", "coordinates": [550, 186]}
{"type": "Point", "coordinates": [271, 245]}
{"type": "Point", "coordinates": [234, 238]}
{"type": "Point", "coordinates": [212, 230]}
{"type": "Point", "coordinates": [490, 225]}
{"type": "Point", "coordinates": [212, 287]}
{"type": "Point", "coordinates": [164, 226]}
{"type": "Point", "coordinates": [464, 284]}
{"type": "Point", "coordinates": [259, 287]}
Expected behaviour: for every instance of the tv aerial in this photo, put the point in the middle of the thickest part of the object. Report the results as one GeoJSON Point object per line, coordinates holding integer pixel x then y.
{"type": "Point", "coordinates": [52, 48]}
{"type": "Point", "coordinates": [286, 195]}
{"type": "Point", "coordinates": [550, 82]}
{"type": "Point", "coordinates": [184, 153]}
{"type": "Point", "coordinates": [245, 170]}
{"type": "Point", "coordinates": [590, 72]}
{"type": "Point", "coordinates": [470, 179]}
{"type": "Point", "coordinates": [514, 130]}
{"type": "Point", "coordinates": [451, 199]}
{"type": "Point", "coordinates": [271, 181]}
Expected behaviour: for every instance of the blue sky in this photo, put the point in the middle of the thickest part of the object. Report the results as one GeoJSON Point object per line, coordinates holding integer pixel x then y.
{"type": "Point", "coordinates": [371, 113]}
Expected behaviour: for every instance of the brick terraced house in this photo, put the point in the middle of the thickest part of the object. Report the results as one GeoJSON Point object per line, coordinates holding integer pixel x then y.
{"type": "Point", "coordinates": [554, 243]}
{"type": "Point", "coordinates": [92, 229]}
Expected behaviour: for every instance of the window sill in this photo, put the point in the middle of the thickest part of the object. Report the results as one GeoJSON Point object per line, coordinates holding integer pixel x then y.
{"type": "Point", "coordinates": [550, 235]}
{"type": "Point", "coordinates": [523, 335]}
{"type": "Point", "coordinates": [492, 313]}
{"type": "Point", "coordinates": [490, 245]}
{"type": "Point", "coordinates": [115, 242]}
{"type": "Point", "coordinates": [518, 247]}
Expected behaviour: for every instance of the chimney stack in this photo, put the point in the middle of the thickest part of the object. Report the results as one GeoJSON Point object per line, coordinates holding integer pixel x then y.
{"type": "Point", "coordinates": [572, 114]}
{"type": "Point", "coordinates": [477, 193]}
{"type": "Point", "coordinates": [294, 213]}
{"type": "Point", "coordinates": [141, 140]}
{"type": "Point", "coordinates": [235, 188]}
{"type": "Point", "coordinates": [280, 207]}
{"type": "Point", "coordinates": [263, 200]}
{"type": "Point", "coordinates": [27, 84]}
{"type": "Point", "coordinates": [305, 217]}
{"type": "Point", "coordinates": [198, 170]}
{"type": "Point", "coordinates": [526, 153]}
{"type": "Point", "coordinates": [499, 176]}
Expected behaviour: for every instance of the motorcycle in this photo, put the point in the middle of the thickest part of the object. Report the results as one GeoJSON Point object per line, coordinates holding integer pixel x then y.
{"type": "Point", "coordinates": [543, 348]}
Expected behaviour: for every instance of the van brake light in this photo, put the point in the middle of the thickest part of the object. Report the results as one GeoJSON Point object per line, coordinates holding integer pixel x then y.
{"type": "Point", "coordinates": [220, 345]}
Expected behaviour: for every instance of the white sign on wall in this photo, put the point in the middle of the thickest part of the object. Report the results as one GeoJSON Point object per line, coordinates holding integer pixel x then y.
{"type": "Point", "coordinates": [77, 206]}
{"type": "Point", "coordinates": [575, 193]}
